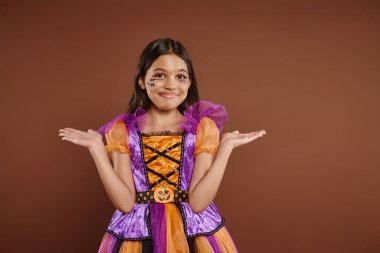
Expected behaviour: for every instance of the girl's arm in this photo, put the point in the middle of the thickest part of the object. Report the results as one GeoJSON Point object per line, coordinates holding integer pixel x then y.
{"type": "Point", "coordinates": [208, 173]}
{"type": "Point", "coordinates": [116, 180]}
{"type": "Point", "coordinates": [206, 178]}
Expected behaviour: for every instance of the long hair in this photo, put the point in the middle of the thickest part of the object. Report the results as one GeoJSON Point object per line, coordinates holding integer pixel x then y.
{"type": "Point", "coordinates": [151, 52]}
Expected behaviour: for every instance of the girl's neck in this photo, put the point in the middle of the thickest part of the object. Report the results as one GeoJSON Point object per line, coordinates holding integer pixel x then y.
{"type": "Point", "coordinates": [159, 120]}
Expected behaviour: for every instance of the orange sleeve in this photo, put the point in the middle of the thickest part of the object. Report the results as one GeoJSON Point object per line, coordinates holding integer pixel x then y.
{"type": "Point", "coordinates": [117, 138]}
{"type": "Point", "coordinates": [207, 137]}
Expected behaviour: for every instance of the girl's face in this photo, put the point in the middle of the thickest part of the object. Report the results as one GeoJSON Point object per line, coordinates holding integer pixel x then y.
{"type": "Point", "coordinates": [167, 82]}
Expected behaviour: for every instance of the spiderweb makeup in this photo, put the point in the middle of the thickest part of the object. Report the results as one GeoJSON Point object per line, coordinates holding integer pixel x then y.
{"type": "Point", "coordinates": [153, 79]}
{"type": "Point", "coordinates": [184, 67]}
{"type": "Point", "coordinates": [150, 83]}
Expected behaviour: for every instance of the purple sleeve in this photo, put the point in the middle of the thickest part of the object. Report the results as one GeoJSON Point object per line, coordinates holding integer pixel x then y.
{"type": "Point", "coordinates": [106, 127]}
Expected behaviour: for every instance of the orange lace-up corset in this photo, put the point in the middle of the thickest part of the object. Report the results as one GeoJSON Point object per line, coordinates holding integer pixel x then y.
{"type": "Point", "coordinates": [162, 158]}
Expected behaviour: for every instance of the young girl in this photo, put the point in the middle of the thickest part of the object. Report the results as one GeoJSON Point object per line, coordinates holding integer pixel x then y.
{"type": "Point", "coordinates": [167, 160]}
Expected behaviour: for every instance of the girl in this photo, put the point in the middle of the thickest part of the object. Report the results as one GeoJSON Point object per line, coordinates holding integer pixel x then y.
{"type": "Point", "coordinates": [167, 160]}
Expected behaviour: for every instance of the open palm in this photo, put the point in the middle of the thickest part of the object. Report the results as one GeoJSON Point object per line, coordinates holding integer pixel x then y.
{"type": "Point", "coordinates": [81, 138]}
{"type": "Point", "coordinates": [236, 139]}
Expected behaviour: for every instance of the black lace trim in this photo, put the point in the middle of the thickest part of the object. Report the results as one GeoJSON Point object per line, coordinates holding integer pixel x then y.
{"type": "Point", "coordinates": [183, 215]}
{"type": "Point", "coordinates": [127, 238]}
{"type": "Point", "coordinates": [163, 133]}
{"type": "Point", "coordinates": [183, 146]}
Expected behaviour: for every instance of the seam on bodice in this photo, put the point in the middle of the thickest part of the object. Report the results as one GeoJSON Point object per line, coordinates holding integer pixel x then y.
{"type": "Point", "coordinates": [163, 133]}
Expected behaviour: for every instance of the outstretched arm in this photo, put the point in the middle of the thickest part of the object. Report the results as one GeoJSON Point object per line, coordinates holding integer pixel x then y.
{"type": "Point", "coordinates": [208, 173]}
{"type": "Point", "coordinates": [121, 195]}
{"type": "Point", "coordinates": [117, 181]}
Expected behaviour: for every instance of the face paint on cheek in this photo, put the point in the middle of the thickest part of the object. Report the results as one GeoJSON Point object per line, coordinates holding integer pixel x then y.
{"type": "Point", "coordinates": [186, 80]}
{"type": "Point", "coordinates": [182, 82]}
{"type": "Point", "coordinates": [150, 83]}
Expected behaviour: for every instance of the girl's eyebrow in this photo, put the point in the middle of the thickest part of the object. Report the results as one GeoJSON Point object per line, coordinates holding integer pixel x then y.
{"type": "Point", "coordinates": [180, 70]}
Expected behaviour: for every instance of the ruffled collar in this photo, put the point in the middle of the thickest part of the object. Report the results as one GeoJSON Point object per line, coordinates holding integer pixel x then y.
{"type": "Point", "coordinates": [189, 122]}
{"type": "Point", "coordinates": [134, 121]}
{"type": "Point", "coordinates": [193, 115]}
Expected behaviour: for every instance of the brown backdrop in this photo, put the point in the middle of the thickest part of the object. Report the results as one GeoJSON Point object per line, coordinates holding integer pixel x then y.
{"type": "Point", "coordinates": [305, 72]}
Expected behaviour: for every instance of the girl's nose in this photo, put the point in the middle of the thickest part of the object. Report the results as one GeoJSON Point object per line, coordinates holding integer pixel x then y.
{"type": "Point", "coordinates": [170, 83]}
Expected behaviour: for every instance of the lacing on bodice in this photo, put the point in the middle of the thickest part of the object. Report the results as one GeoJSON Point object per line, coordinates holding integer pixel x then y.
{"type": "Point", "coordinates": [161, 152]}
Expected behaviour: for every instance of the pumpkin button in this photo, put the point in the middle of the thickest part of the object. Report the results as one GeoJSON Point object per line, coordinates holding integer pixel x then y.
{"type": "Point", "coordinates": [163, 194]}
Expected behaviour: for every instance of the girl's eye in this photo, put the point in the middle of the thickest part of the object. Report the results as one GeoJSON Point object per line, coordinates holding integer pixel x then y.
{"type": "Point", "coordinates": [159, 75]}
{"type": "Point", "coordinates": [182, 77]}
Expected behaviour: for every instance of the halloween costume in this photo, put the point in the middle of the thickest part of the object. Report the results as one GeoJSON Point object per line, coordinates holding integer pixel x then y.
{"type": "Point", "coordinates": [162, 164]}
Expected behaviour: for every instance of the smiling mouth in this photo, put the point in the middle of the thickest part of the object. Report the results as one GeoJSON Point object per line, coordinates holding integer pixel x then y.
{"type": "Point", "coordinates": [168, 95]}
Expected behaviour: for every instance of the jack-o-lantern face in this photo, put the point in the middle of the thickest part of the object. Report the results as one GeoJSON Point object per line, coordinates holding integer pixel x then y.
{"type": "Point", "coordinates": [163, 194]}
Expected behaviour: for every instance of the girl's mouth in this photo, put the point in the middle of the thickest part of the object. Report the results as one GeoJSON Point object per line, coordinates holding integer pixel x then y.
{"type": "Point", "coordinates": [168, 94]}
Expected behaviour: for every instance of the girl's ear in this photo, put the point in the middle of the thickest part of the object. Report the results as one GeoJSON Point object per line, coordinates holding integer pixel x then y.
{"type": "Point", "coordinates": [141, 83]}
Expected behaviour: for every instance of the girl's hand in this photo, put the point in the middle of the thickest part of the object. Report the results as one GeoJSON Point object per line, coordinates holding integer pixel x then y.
{"type": "Point", "coordinates": [85, 139]}
{"type": "Point", "coordinates": [236, 139]}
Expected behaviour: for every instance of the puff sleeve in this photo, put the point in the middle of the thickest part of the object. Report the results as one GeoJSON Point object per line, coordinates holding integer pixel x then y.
{"type": "Point", "coordinates": [117, 138]}
{"type": "Point", "coordinates": [207, 137]}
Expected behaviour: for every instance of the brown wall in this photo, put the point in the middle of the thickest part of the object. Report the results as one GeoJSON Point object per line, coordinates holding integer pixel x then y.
{"type": "Point", "coordinates": [305, 71]}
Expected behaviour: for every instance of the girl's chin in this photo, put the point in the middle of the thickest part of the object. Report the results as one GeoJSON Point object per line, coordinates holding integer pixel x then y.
{"type": "Point", "coordinates": [168, 106]}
